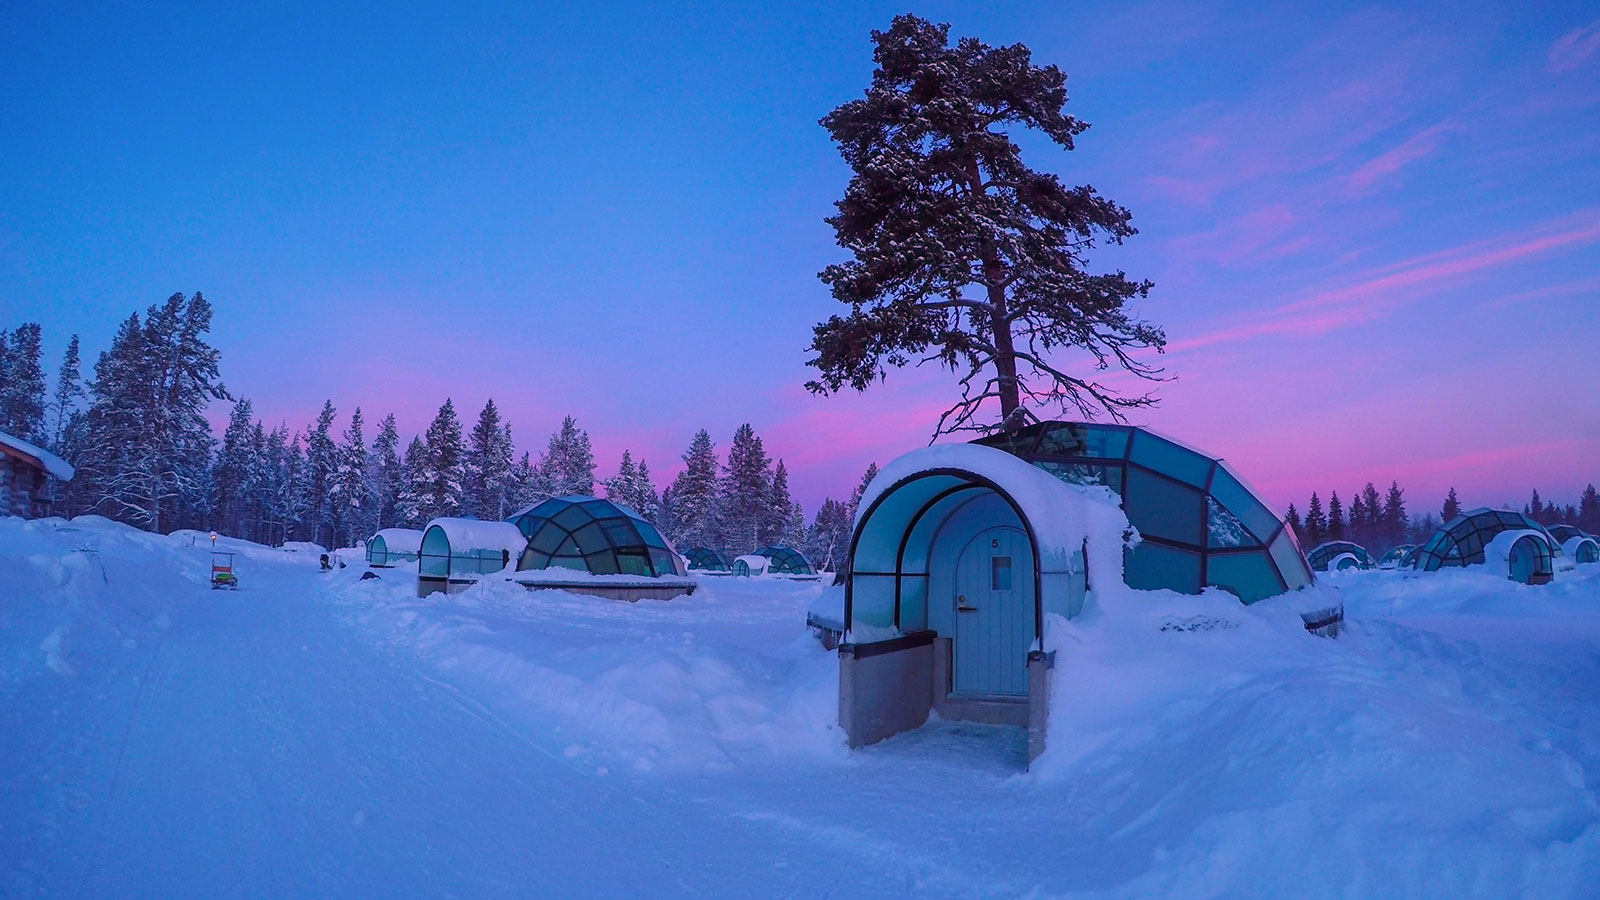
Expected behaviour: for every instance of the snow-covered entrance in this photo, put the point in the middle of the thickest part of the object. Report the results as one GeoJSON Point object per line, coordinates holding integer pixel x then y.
{"type": "Point", "coordinates": [958, 553]}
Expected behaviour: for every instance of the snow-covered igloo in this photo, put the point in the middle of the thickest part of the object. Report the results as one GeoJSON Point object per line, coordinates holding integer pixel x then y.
{"type": "Point", "coordinates": [392, 546]}
{"type": "Point", "coordinates": [457, 552]}
{"type": "Point", "coordinates": [1400, 556]}
{"type": "Point", "coordinates": [1505, 540]}
{"type": "Point", "coordinates": [960, 551]}
{"type": "Point", "coordinates": [1334, 556]}
{"type": "Point", "coordinates": [775, 560]}
{"type": "Point", "coordinates": [705, 560]}
{"type": "Point", "coordinates": [1577, 545]}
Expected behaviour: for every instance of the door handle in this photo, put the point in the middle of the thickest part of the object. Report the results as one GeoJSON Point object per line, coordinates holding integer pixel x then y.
{"type": "Point", "coordinates": [961, 604]}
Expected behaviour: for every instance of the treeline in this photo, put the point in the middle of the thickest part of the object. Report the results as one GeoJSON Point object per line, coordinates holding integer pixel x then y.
{"type": "Point", "coordinates": [146, 455]}
{"type": "Point", "coordinates": [1379, 523]}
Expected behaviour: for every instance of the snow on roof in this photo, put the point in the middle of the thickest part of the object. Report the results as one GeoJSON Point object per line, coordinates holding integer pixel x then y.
{"type": "Point", "coordinates": [1063, 516]}
{"type": "Point", "coordinates": [1497, 553]}
{"type": "Point", "coordinates": [401, 540]}
{"type": "Point", "coordinates": [479, 534]}
{"type": "Point", "coordinates": [755, 561]}
{"type": "Point", "coordinates": [55, 465]}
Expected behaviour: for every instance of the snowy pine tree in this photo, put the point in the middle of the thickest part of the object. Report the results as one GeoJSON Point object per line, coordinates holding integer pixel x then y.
{"type": "Point", "coordinates": [1452, 507]}
{"type": "Point", "coordinates": [385, 473]}
{"type": "Point", "coordinates": [233, 479]}
{"type": "Point", "coordinates": [693, 496]}
{"type": "Point", "coordinates": [567, 466]}
{"type": "Point", "coordinates": [744, 494]}
{"type": "Point", "coordinates": [1296, 527]}
{"type": "Point", "coordinates": [445, 464]}
{"type": "Point", "coordinates": [777, 526]}
{"type": "Point", "coordinates": [525, 488]}
{"type": "Point", "coordinates": [1589, 510]}
{"type": "Point", "coordinates": [22, 385]}
{"type": "Point", "coordinates": [1358, 521]}
{"type": "Point", "coordinates": [488, 466]}
{"type": "Point", "coordinates": [322, 457]}
{"type": "Point", "coordinates": [828, 542]}
{"type": "Point", "coordinates": [347, 492]}
{"type": "Point", "coordinates": [861, 489]}
{"type": "Point", "coordinates": [633, 488]}
{"type": "Point", "coordinates": [68, 394]}
{"type": "Point", "coordinates": [1394, 516]}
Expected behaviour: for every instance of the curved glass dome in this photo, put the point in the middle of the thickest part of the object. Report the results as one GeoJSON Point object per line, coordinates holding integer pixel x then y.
{"type": "Point", "coordinates": [1200, 524]}
{"type": "Point", "coordinates": [1325, 554]}
{"type": "Point", "coordinates": [593, 535]}
{"type": "Point", "coordinates": [785, 561]}
{"type": "Point", "coordinates": [1461, 541]}
{"type": "Point", "coordinates": [1398, 556]}
{"type": "Point", "coordinates": [1564, 533]}
{"type": "Point", "coordinates": [705, 559]}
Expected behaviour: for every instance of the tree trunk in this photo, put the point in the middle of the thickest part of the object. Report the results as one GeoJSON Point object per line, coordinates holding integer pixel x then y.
{"type": "Point", "coordinates": [994, 276]}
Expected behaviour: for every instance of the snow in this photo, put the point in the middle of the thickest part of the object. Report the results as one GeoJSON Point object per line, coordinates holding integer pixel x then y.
{"type": "Point", "coordinates": [318, 735]}
{"type": "Point", "coordinates": [401, 540]}
{"type": "Point", "coordinates": [55, 465]}
{"type": "Point", "coordinates": [1063, 516]}
{"type": "Point", "coordinates": [756, 563]}
{"type": "Point", "coordinates": [480, 534]}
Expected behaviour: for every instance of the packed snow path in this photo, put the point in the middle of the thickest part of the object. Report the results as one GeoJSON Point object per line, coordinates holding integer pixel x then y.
{"type": "Point", "coordinates": [312, 735]}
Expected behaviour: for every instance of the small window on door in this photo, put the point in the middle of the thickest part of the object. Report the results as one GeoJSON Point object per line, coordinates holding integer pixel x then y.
{"type": "Point", "coordinates": [1000, 573]}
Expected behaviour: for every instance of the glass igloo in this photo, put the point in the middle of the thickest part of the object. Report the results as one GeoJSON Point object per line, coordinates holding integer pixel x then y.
{"type": "Point", "coordinates": [1336, 555]}
{"type": "Point", "coordinates": [1460, 542]}
{"type": "Point", "coordinates": [1200, 524]}
{"type": "Point", "coordinates": [593, 535]}
{"type": "Point", "coordinates": [705, 559]}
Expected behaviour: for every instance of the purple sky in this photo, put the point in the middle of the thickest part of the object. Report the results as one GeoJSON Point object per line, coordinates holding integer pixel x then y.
{"type": "Point", "coordinates": [1375, 234]}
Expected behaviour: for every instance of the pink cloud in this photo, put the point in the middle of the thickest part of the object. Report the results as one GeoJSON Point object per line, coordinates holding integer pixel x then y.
{"type": "Point", "coordinates": [1374, 294]}
{"type": "Point", "coordinates": [1574, 48]}
{"type": "Point", "coordinates": [1419, 146]}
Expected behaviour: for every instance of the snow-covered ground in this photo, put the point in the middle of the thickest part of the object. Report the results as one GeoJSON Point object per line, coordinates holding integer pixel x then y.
{"type": "Point", "coordinates": [317, 735]}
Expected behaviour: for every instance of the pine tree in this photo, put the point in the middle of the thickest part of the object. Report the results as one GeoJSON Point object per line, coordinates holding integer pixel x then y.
{"type": "Point", "coordinates": [778, 526]}
{"type": "Point", "coordinates": [744, 493]}
{"type": "Point", "coordinates": [295, 509]}
{"type": "Point", "coordinates": [828, 542]}
{"type": "Point", "coordinates": [1336, 523]}
{"type": "Point", "coordinates": [146, 456]}
{"type": "Point", "coordinates": [1371, 516]}
{"type": "Point", "coordinates": [1316, 522]}
{"type": "Point", "coordinates": [1452, 507]}
{"type": "Point", "coordinates": [69, 393]}
{"type": "Point", "coordinates": [385, 473]}
{"type": "Point", "coordinates": [1394, 516]}
{"type": "Point", "coordinates": [525, 489]}
{"type": "Point", "coordinates": [488, 465]}
{"type": "Point", "coordinates": [347, 493]}
{"type": "Point", "coordinates": [861, 490]}
{"type": "Point", "coordinates": [233, 479]}
{"type": "Point", "coordinates": [567, 467]}
{"type": "Point", "coordinates": [1296, 527]}
{"type": "Point", "coordinates": [446, 467]}
{"type": "Point", "coordinates": [321, 460]}
{"type": "Point", "coordinates": [1589, 510]}
{"type": "Point", "coordinates": [963, 254]}
{"type": "Point", "coordinates": [693, 496]}
{"type": "Point", "coordinates": [633, 488]}
{"type": "Point", "coordinates": [22, 386]}
{"type": "Point", "coordinates": [416, 487]}
{"type": "Point", "coordinates": [1356, 531]}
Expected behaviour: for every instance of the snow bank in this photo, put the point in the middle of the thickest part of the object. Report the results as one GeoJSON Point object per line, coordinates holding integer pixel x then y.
{"type": "Point", "coordinates": [725, 678]}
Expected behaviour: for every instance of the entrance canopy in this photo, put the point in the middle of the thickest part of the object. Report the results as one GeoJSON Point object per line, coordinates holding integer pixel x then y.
{"type": "Point", "coordinates": [1335, 555]}
{"type": "Point", "coordinates": [906, 507]}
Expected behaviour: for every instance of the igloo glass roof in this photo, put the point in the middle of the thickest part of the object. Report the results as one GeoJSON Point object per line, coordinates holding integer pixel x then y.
{"type": "Point", "coordinates": [785, 561]}
{"type": "Point", "coordinates": [1461, 541]}
{"type": "Point", "coordinates": [1324, 553]}
{"type": "Point", "coordinates": [705, 559]}
{"type": "Point", "coordinates": [593, 535]}
{"type": "Point", "coordinates": [1201, 525]}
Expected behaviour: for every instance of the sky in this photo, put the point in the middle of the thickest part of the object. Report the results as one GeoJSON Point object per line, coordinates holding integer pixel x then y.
{"type": "Point", "coordinates": [1374, 231]}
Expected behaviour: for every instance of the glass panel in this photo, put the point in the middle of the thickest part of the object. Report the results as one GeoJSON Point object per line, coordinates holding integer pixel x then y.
{"type": "Point", "coordinates": [621, 533]}
{"type": "Point", "coordinates": [665, 562]}
{"type": "Point", "coordinates": [1223, 530]}
{"type": "Point", "coordinates": [1062, 440]}
{"type": "Point", "coordinates": [1152, 567]}
{"type": "Point", "coordinates": [1291, 565]}
{"type": "Point", "coordinates": [913, 604]}
{"type": "Point", "coordinates": [1085, 473]}
{"type": "Point", "coordinates": [572, 518]}
{"type": "Point", "coordinates": [533, 559]}
{"type": "Point", "coordinates": [591, 537]}
{"type": "Point", "coordinates": [603, 563]}
{"type": "Point", "coordinates": [1000, 573]}
{"type": "Point", "coordinates": [1244, 506]}
{"type": "Point", "coordinates": [548, 538]}
{"type": "Point", "coordinates": [1248, 576]}
{"type": "Point", "coordinates": [871, 601]}
{"type": "Point", "coordinates": [1164, 509]}
{"type": "Point", "coordinates": [1107, 441]}
{"type": "Point", "coordinates": [651, 535]}
{"type": "Point", "coordinates": [1170, 459]}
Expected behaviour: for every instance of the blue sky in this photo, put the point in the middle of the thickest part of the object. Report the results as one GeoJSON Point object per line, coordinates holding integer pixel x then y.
{"type": "Point", "coordinates": [1375, 232]}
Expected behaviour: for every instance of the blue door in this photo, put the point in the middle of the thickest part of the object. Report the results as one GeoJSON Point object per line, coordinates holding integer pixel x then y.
{"type": "Point", "coordinates": [1524, 560]}
{"type": "Point", "coordinates": [994, 614]}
